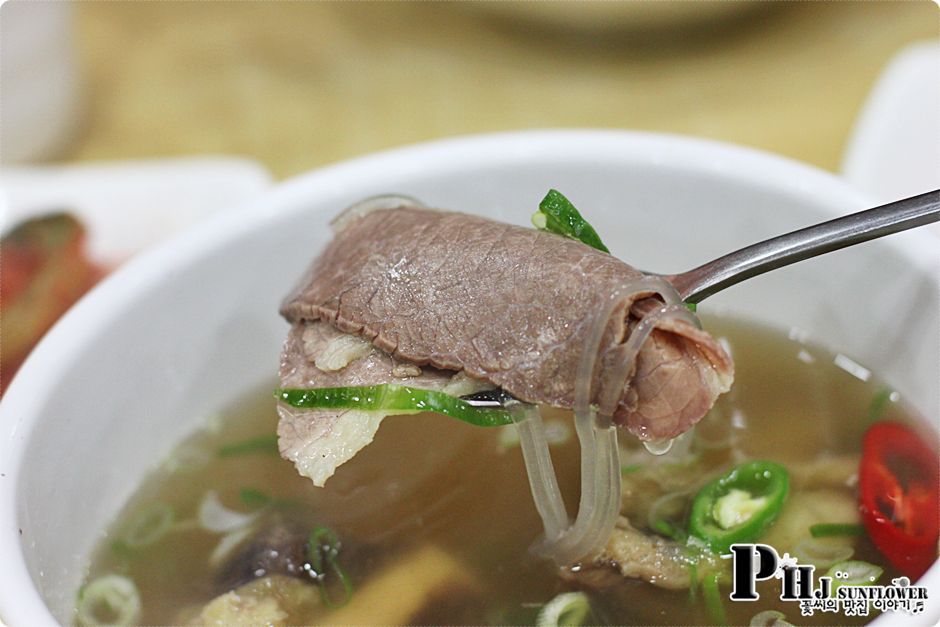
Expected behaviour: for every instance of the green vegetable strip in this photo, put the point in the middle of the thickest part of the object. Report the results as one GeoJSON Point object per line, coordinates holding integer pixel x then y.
{"type": "Point", "coordinates": [324, 545]}
{"type": "Point", "coordinates": [879, 404]}
{"type": "Point", "coordinates": [390, 397]}
{"type": "Point", "coordinates": [691, 307]}
{"type": "Point", "coordinates": [262, 444]}
{"type": "Point", "coordinates": [254, 499]}
{"type": "Point", "coordinates": [825, 530]}
{"type": "Point", "coordinates": [711, 594]}
{"type": "Point", "coordinates": [558, 215]}
{"type": "Point", "coordinates": [669, 530]}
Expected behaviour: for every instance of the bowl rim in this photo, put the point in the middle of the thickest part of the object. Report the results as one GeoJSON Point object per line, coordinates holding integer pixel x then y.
{"type": "Point", "coordinates": [20, 599]}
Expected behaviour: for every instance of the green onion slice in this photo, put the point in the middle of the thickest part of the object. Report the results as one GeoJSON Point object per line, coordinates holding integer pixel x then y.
{"type": "Point", "coordinates": [261, 444]}
{"type": "Point", "coordinates": [854, 573]}
{"type": "Point", "coordinates": [569, 608]}
{"type": "Point", "coordinates": [711, 594]}
{"type": "Point", "coordinates": [557, 215]}
{"type": "Point", "coordinates": [391, 397]}
{"type": "Point", "coordinates": [108, 600]}
{"type": "Point", "coordinates": [254, 499]}
{"type": "Point", "coordinates": [322, 551]}
{"type": "Point", "coordinates": [825, 530]}
{"type": "Point", "coordinates": [147, 527]}
{"type": "Point", "coordinates": [879, 404]}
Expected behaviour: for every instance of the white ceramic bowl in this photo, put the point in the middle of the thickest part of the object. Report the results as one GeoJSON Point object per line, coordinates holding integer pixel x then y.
{"type": "Point", "coordinates": [181, 332]}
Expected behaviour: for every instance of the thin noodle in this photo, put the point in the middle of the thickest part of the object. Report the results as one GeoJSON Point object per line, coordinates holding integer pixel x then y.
{"type": "Point", "coordinates": [599, 505]}
{"type": "Point", "coordinates": [538, 461]}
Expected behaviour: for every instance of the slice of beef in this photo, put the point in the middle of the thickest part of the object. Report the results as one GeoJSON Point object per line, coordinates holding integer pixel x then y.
{"type": "Point", "coordinates": [508, 305]}
{"type": "Point", "coordinates": [318, 441]}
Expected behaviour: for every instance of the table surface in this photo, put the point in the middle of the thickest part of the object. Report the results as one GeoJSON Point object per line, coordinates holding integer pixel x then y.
{"type": "Point", "coordinates": [299, 85]}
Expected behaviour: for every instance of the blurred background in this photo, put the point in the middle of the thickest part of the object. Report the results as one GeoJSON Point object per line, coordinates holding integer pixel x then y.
{"type": "Point", "coordinates": [298, 85]}
{"type": "Point", "coordinates": [138, 118]}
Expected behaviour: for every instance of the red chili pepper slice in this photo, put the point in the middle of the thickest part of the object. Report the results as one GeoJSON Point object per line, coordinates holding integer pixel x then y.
{"type": "Point", "coordinates": [899, 496]}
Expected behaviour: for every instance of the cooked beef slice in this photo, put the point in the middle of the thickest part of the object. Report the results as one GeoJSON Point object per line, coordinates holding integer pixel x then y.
{"type": "Point", "coordinates": [508, 305]}
{"type": "Point", "coordinates": [319, 440]}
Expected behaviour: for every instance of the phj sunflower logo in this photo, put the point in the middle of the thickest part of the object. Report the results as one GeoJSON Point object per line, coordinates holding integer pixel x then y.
{"type": "Point", "coordinates": [843, 591]}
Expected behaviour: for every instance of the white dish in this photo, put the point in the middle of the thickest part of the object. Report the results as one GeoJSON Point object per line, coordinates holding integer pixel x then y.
{"type": "Point", "coordinates": [130, 205]}
{"type": "Point", "coordinates": [178, 333]}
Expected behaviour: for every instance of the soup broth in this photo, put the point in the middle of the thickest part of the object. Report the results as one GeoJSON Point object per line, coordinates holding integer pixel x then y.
{"type": "Point", "coordinates": [435, 520]}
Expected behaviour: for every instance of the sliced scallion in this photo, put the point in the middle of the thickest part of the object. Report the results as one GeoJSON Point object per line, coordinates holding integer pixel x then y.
{"type": "Point", "coordinates": [215, 517]}
{"type": "Point", "coordinates": [557, 215]}
{"type": "Point", "coordinates": [323, 549]}
{"type": "Point", "coordinates": [854, 573]}
{"type": "Point", "coordinates": [147, 527]}
{"type": "Point", "coordinates": [261, 444]}
{"type": "Point", "coordinates": [393, 397]}
{"type": "Point", "coordinates": [825, 530]}
{"type": "Point", "coordinates": [820, 553]}
{"type": "Point", "coordinates": [254, 499]}
{"type": "Point", "coordinates": [714, 605]}
{"type": "Point", "coordinates": [879, 404]}
{"type": "Point", "coordinates": [569, 608]}
{"type": "Point", "coordinates": [108, 600]}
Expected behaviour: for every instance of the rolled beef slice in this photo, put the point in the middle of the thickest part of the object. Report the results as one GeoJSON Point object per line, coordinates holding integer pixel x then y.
{"type": "Point", "coordinates": [431, 294]}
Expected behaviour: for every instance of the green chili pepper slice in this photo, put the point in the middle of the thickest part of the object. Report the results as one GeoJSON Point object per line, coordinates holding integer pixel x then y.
{"type": "Point", "coordinates": [400, 398]}
{"type": "Point", "coordinates": [739, 505]}
{"type": "Point", "coordinates": [558, 215]}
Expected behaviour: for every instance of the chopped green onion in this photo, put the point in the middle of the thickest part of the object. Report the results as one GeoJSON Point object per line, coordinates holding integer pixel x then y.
{"type": "Point", "coordinates": [108, 600]}
{"type": "Point", "coordinates": [261, 444]}
{"type": "Point", "coordinates": [693, 307]}
{"type": "Point", "coordinates": [854, 573]}
{"type": "Point", "coordinates": [254, 499]}
{"type": "Point", "coordinates": [393, 397]}
{"type": "Point", "coordinates": [879, 404]}
{"type": "Point", "coordinates": [711, 594]}
{"type": "Point", "coordinates": [566, 609]}
{"type": "Point", "coordinates": [666, 514]}
{"type": "Point", "coordinates": [120, 549]}
{"type": "Point", "coordinates": [229, 542]}
{"type": "Point", "coordinates": [215, 517]}
{"type": "Point", "coordinates": [693, 581]}
{"type": "Point", "coordinates": [557, 215]}
{"type": "Point", "coordinates": [667, 529]}
{"type": "Point", "coordinates": [147, 527]}
{"type": "Point", "coordinates": [824, 530]}
{"type": "Point", "coordinates": [821, 553]}
{"type": "Point", "coordinates": [769, 618]}
{"type": "Point", "coordinates": [324, 545]}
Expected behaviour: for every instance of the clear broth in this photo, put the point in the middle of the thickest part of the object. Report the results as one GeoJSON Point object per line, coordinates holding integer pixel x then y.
{"type": "Point", "coordinates": [432, 480]}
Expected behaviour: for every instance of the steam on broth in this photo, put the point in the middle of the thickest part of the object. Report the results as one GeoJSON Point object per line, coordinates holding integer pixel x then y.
{"type": "Point", "coordinates": [433, 518]}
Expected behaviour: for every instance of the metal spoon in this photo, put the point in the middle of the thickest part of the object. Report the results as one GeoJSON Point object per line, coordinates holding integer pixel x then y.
{"type": "Point", "coordinates": [697, 284]}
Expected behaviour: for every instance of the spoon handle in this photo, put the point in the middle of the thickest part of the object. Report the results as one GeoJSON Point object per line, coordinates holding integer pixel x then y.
{"type": "Point", "coordinates": [714, 276]}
